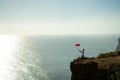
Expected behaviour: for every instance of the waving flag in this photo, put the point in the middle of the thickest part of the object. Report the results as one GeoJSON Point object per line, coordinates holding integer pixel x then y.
{"type": "Point", "coordinates": [77, 45]}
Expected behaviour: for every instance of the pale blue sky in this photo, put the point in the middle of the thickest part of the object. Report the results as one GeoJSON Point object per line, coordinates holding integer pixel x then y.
{"type": "Point", "coordinates": [59, 17]}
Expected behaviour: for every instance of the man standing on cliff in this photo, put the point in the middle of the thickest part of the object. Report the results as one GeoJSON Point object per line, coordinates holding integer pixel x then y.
{"type": "Point", "coordinates": [81, 51]}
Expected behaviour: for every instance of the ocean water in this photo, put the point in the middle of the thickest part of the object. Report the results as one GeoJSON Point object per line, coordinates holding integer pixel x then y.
{"type": "Point", "coordinates": [47, 57]}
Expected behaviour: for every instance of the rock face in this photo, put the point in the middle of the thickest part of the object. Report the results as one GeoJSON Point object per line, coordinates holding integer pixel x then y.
{"type": "Point", "coordinates": [118, 46]}
{"type": "Point", "coordinates": [95, 69]}
{"type": "Point", "coordinates": [86, 71]}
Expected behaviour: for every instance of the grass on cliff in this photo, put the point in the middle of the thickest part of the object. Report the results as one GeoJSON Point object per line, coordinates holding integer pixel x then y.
{"type": "Point", "coordinates": [109, 54]}
{"type": "Point", "coordinates": [114, 71]}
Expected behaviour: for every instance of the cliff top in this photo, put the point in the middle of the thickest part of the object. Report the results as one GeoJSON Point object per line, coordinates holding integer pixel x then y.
{"type": "Point", "coordinates": [104, 67]}
{"type": "Point", "coordinates": [102, 62]}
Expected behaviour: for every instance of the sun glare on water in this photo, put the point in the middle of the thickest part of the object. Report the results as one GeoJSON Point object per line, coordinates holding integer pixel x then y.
{"type": "Point", "coordinates": [8, 45]}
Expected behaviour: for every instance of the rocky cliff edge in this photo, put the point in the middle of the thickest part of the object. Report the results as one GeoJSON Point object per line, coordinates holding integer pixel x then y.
{"type": "Point", "coordinates": [104, 68]}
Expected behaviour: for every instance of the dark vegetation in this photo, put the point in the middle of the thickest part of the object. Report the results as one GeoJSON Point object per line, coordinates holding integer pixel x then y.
{"type": "Point", "coordinates": [109, 54]}
{"type": "Point", "coordinates": [114, 71]}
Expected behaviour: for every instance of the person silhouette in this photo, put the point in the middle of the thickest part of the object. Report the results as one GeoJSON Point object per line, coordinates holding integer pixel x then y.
{"type": "Point", "coordinates": [83, 51]}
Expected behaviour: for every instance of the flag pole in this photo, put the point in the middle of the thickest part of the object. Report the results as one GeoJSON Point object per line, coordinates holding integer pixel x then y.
{"type": "Point", "coordinates": [81, 51]}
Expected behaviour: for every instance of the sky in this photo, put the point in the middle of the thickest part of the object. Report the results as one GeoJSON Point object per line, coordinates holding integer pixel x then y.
{"type": "Point", "coordinates": [59, 17]}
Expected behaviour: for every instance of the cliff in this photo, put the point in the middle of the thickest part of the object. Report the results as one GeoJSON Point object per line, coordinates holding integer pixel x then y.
{"type": "Point", "coordinates": [118, 46]}
{"type": "Point", "coordinates": [106, 68]}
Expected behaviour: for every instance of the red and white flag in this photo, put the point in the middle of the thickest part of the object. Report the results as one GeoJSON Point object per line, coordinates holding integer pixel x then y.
{"type": "Point", "coordinates": [77, 45]}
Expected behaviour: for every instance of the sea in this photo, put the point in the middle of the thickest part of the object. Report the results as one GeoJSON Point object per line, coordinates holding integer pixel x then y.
{"type": "Point", "coordinates": [48, 57]}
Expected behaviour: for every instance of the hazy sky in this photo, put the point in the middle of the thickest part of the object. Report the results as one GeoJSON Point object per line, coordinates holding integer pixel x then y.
{"type": "Point", "coordinates": [31, 17]}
